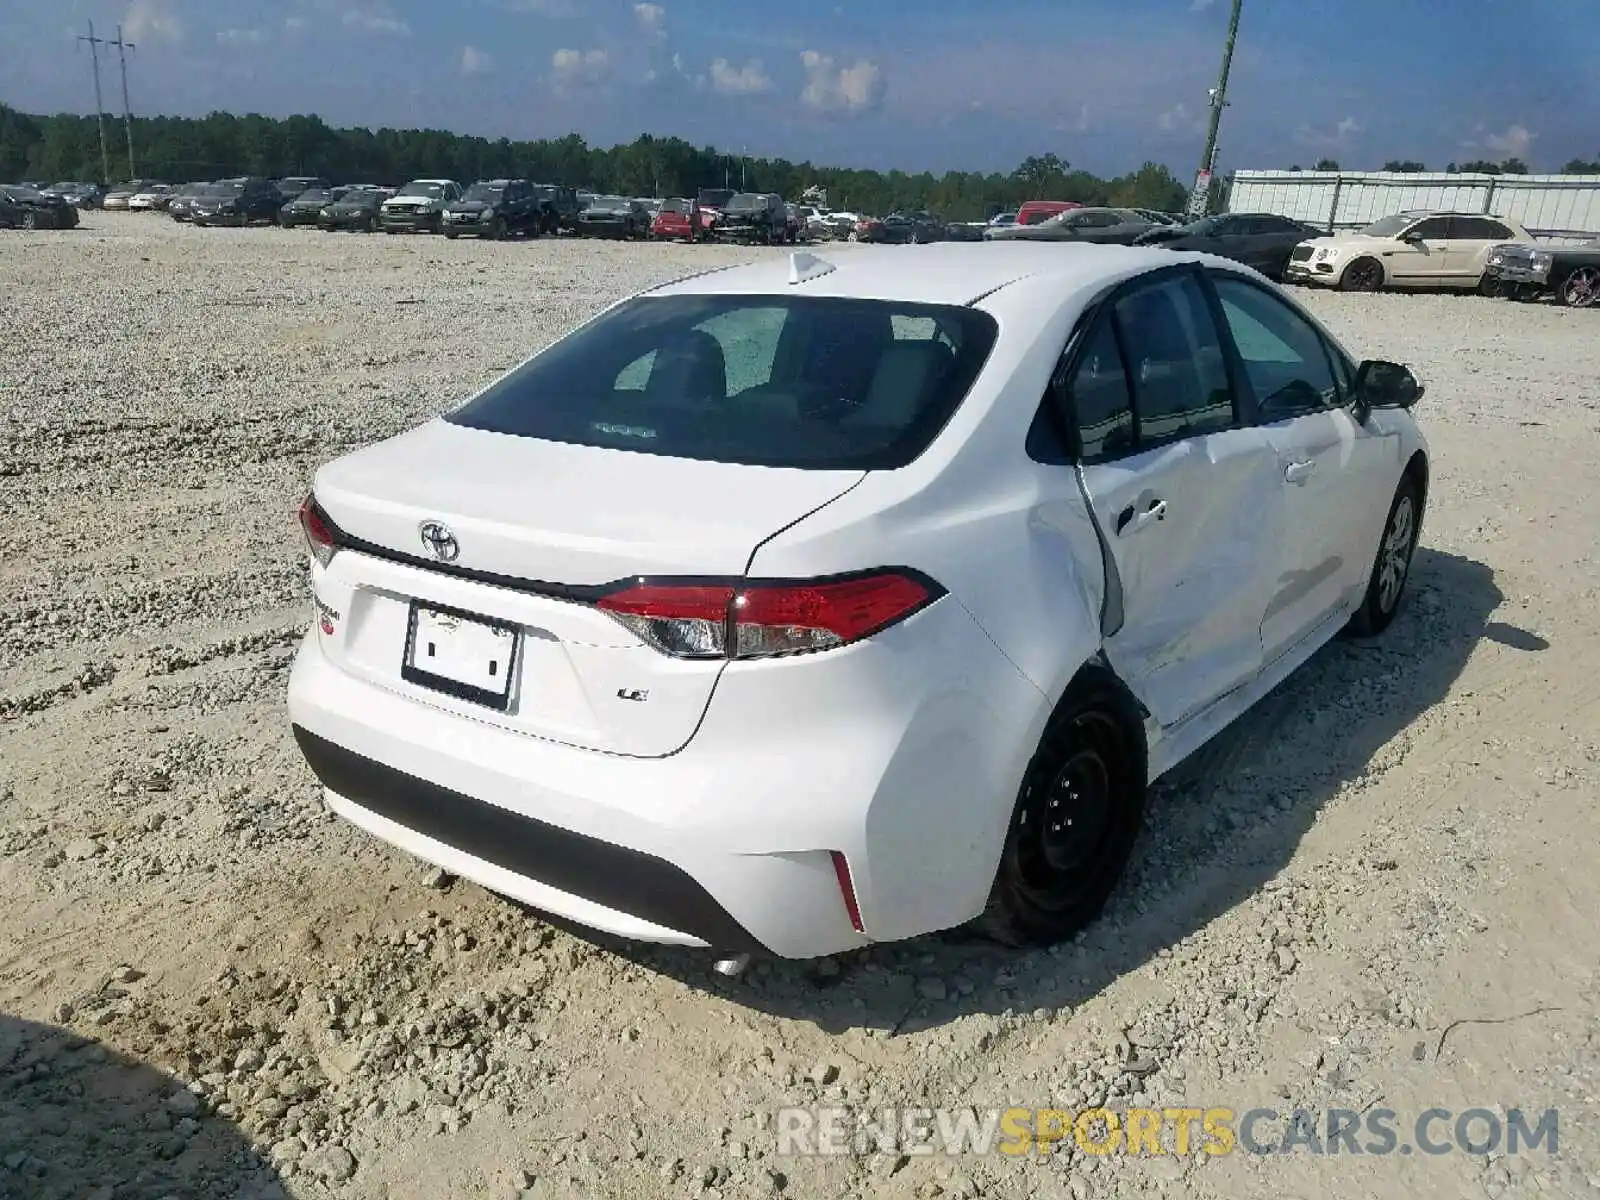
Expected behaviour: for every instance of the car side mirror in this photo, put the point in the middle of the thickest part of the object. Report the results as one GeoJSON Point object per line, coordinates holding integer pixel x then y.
{"type": "Point", "coordinates": [1381, 384]}
{"type": "Point", "coordinates": [1412, 238]}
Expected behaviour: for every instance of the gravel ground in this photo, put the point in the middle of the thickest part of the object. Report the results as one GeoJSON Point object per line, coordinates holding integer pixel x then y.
{"type": "Point", "coordinates": [1378, 891]}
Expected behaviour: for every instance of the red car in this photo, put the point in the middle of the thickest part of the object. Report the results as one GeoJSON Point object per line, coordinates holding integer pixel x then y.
{"type": "Point", "coordinates": [673, 221]}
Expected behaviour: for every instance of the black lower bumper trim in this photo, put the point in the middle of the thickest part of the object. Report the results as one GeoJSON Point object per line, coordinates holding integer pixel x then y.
{"type": "Point", "coordinates": [625, 880]}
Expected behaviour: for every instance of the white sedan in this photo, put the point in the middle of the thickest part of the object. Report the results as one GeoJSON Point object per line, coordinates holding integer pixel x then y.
{"type": "Point", "coordinates": [806, 604]}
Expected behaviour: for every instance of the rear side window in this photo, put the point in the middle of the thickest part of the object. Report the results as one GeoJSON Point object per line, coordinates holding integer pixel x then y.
{"type": "Point", "coordinates": [815, 382]}
{"type": "Point", "coordinates": [1100, 397]}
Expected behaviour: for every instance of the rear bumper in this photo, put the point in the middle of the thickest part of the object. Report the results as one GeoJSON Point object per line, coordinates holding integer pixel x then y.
{"type": "Point", "coordinates": [901, 753]}
{"type": "Point", "coordinates": [626, 891]}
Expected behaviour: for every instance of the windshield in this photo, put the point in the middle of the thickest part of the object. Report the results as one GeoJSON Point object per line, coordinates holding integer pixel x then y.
{"type": "Point", "coordinates": [314, 196]}
{"type": "Point", "coordinates": [69, 186]}
{"type": "Point", "coordinates": [744, 202]}
{"type": "Point", "coordinates": [485, 192]}
{"type": "Point", "coordinates": [715, 197]}
{"type": "Point", "coordinates": [861, 384]}
{"type": "Point", "coordinates": [1390, 226]}
{"type": "Point", "coordinates": [675, 206]}
{"type": "Point", "coordinates": [611, 202]}
{"type": "Point", "coordinates": [431, 190]}
{"type": "Point", "coordinates": [21, 193]}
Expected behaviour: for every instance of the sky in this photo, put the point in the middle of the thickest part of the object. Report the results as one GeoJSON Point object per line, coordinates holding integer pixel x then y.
{"type": "Point", "coordinates": [917, 85]}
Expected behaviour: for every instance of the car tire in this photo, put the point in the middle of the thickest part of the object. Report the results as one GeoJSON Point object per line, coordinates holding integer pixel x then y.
{"type": "Point", "coordinates": [1077, 816]}
{"type": "Point", "coordinates": [450, 235]}
{"type": "Point", "coordinates": [1392, 564]}
{"type": "Point", "coordinates": [1363, 275]}
{"type": "Point", "coordinates": [1581, 289]}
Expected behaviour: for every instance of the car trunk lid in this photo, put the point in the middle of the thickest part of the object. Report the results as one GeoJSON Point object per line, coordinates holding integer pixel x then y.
{"type": "Point", "coordinates": [531, 532]}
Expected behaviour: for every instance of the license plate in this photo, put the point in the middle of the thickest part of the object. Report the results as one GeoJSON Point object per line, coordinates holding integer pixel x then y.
{"type": "Point", "coordinates": [461, 655]}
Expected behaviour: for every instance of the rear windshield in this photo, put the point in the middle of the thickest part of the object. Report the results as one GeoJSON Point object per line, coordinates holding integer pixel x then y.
{"type": "Point", "coordinates": [817, 382]}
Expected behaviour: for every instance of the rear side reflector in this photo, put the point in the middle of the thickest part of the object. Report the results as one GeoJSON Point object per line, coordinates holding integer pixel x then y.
{"type": "Point", "coordinates": [765, 619]}
{"type": "Point", "coordinates": [319, 534]}
{"type": "Point", "coordinates": [847, 889]}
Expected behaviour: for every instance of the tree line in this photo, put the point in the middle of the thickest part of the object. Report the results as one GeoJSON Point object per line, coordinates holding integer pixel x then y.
{"type": "Point", "coordinates": [183, 149]}
{"type": "Point", "coordinates": [187, 149]}
{"type": "Point", "coordinates": [1478, 166]}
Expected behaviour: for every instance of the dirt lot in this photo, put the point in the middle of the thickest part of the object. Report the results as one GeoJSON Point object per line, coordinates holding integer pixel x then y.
{"type": "Point", "coordinates": [1378, 892]}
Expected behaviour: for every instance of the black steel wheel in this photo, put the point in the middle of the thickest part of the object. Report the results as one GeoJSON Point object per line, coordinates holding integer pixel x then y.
{"type": "Point", "coordinates": [1077, 816]}
{"type": "Point", "coordinates": [1392, 565]}
{"type": "Point", "coordinates": [1363, 275]}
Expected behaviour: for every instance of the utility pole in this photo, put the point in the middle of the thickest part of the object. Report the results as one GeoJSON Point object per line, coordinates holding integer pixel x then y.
{"type": "Point", "coordinates": [1200, 198]}
{"type": "Point", "coordinates": [99, 105]}
{"type": "Point", "coordinates": [127, 113]}
{"type": "Point", "coordinates": [744, 168]}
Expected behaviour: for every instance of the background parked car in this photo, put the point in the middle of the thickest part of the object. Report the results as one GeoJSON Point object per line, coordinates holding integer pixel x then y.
{"type": "Point", "coordinates": [613, 217]}
{"type": "Point", "coordinates": [357, 209]}
{"type": "Point", "coordinates": [237, 202]}
{"type": "Point", "coordinates": [1260, 240]}
{"type": "Point", "coordinates": [1408, 249]}
{"type": "Point", "coordinates": [1570, 273]}
{"type": "Point", "coordinates": [1035, 211]}
{"type": "Point", "coordinates": [494, 208]}
{"type": "Point", "coordinates": [294, 185]}
{"type": "Point", "coordinates": [559, 207]}
{"type": "Point", "coordinates": [79, 195]}
{"type": "Point", "coordinates": [151, 199]}
{"type": "Point", "coordinates": [419, 206]}
{"type": "Point", "coordinates": [672, 222]}
{"type": "Point", "coordinates": [1106, 226]}
{"type": "Point", "coordinates": [900, 229]}
{"type": "Point", "coordinates": [180, 205]}
{"type": "Point", "coordinates": [754, 217]}
{"type": "Point", "coordinates": [25, 208]}
{"type": "Point", "coordinates": [305, 208]}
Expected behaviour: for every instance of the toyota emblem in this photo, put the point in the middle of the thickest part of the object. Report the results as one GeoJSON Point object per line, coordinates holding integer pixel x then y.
{"type": "Point", "coordinates": [441, 543]}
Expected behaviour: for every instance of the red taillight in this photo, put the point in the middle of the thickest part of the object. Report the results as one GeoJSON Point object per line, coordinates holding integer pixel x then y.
{"type": "Point", "coordinates": [319, 535]}
{"type": "Point", "coordinates": [761, 620]}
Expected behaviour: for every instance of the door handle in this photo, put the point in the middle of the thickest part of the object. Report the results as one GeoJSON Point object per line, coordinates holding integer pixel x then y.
{"type": "Point", "coordinates": [1299, 472]}
{"type": "Point", "coordinates": [1128, 521]}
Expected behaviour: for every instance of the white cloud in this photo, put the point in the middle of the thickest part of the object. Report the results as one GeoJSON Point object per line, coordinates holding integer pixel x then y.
{"type": "Point", "coordinates": [841, 91]}
{"type": "Point", "coordinates": [472, 61]}
{"type": "Point", "coordinates": [379, 21]}
{"type": "Point", "coordinates": [1179, 119]}
{"type": "Point", "coordinates": [1339, 137]}
{"type": "Point", "coordinates": [1515, 142]}
{"type": "Point", "coordinates": [294, 25]}
{"type": "Point", "coordinates": [152, 22]}
{"type": "Point", "coordinates": [579, 68]}
{"type": "Point", "coordinates": [652, 18]}
{"type": "Point", "coordinates": [240, 37]}
{"type": "Point", "coordinates": [739, 81]}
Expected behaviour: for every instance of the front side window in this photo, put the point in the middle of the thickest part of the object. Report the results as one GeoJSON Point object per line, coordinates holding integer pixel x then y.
{"type": "Point", "coordinates": [1175, 361]}
{"type": "Point", "coordinates": [812, 382]}
{"type": "Point", "coordinates": [1285, 358]}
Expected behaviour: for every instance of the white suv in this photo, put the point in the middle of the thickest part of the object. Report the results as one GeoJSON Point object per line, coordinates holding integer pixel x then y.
{"type": "Point", "coordinates": [418, 206]}
{"type": "Point", "coordinates": [1408, 249]}
{"type": "Point", "coordinates": [800, 605]}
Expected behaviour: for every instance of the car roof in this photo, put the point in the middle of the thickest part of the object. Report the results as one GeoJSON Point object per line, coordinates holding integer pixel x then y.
{"type": "Point", "coordinates": [941, 273]}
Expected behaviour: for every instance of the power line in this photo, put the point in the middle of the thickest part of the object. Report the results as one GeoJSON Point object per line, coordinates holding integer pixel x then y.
{"type": "Point", "coordinates": [99, 105]}
{"type": "Point", "coordinates": [127, 112]}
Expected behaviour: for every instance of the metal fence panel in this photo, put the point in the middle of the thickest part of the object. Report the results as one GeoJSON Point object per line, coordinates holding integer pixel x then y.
{"type": "Point", "coordinates": [1558, 208]}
